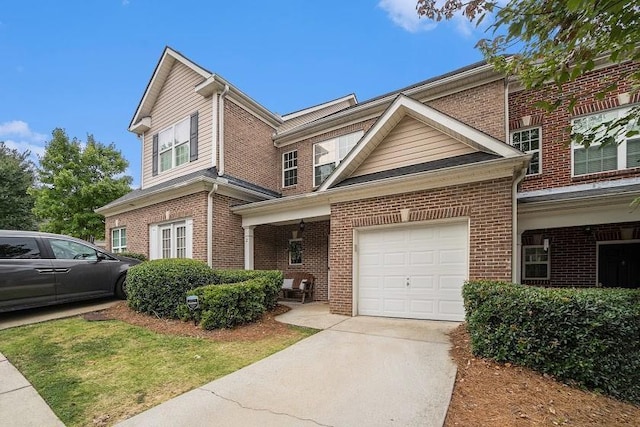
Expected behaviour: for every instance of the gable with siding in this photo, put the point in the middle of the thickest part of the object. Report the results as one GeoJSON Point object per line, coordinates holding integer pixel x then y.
{"type": "Point", "coordinates": [411, 142]}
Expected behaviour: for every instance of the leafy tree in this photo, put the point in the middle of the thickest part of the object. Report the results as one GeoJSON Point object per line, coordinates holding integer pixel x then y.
{"type": "Point", "coordinates": [16, 177]}
{"type": "Point", "coordinates": [74, 180]}
{"type": "Point", "coordinates": [557, 41]}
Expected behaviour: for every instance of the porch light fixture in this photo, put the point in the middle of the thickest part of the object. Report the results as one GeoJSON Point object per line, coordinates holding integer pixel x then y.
{"type": "Point", "coordinates": [301, 226]}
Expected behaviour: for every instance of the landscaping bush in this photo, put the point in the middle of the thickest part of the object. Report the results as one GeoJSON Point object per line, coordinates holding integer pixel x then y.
{"type": "Point", "coordinates": [227, 305]}
{"type": "Point", "coordinates": [134, 255]}
{"type": "Point", "coordinates": [272, 284]}
{"type": "Point", "coordinates": [587, 336]}
{"type": "Point", "coordinates": [234, 298]}
{"type": "Point", "coordinates": [158, 287]}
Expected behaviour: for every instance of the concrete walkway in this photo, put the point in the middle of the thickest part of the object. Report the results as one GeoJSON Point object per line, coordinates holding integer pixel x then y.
{"type": "Point", "coordinates": [358, 371]}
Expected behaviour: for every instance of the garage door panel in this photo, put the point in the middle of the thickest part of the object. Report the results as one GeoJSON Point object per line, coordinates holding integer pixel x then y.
{"type": "Point", "coordinates": [433, 257]}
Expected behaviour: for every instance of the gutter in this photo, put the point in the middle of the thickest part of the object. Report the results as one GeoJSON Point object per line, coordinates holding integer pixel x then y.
{"type": "Point", "coordinates": [221, 128]}
{"type": "Point", "coordinates": [515, 269]}
{"type": "Point", "coordinates": [214, 189]}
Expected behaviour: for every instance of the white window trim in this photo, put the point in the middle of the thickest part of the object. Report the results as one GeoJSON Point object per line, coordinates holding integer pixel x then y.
{"type": "Point", "coordinates": [155, 237]}
{"type": "Point", "coordinates": [337, 161]}
{"type": "Point", "coordinates": [524, 263]}
{"type": "Point", "coordinates": [289, 169]}
{"type": "Point", "coordinates": [120, 248]}
{"type": "Point", "coordinates": [539, 150]}
{"type": "Point", "coordinates": [622, 145]}
{"type": "Point", "coordinates": [289, 252]}
{"type": "Point", "coordinates": [173, 146]}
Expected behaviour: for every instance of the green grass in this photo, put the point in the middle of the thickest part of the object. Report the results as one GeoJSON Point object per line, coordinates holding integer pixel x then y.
{"type": "Point", "coordinates": [112, 370]}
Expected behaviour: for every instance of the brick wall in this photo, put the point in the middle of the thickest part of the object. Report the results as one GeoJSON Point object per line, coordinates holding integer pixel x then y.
{"type": "Point", "coordinates": [228, 234]}
{"type": "Point", "coordinates": [265, 254]}
{"type": "Point", "coordinates": [249, 151]}
{"type": "Point", "coordinates": [487, 204]}
{"type": "Point", "coordinates": [137, 223]}
{"type": "Point", "coordinates": [481, 107]}
{"type": "Point", "coordinates": [556, 153]}
{"type": "Point", "coordinates": [573, 252]}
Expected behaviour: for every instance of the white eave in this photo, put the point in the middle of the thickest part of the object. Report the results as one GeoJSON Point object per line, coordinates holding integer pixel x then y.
{"type": "Point", "coordinates": [264, 212]}
{"type": "Point", "coordinates": [351, 98]}
{"type": "Point", "coordinates": [404, 106]}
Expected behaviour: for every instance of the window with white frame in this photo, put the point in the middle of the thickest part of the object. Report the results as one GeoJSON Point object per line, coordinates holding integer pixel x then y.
{"type": "Point", "coordinates": [173, 145]}
{"type": "Point", "coordinates": [536, 263]}
{"type": "Point", "coordinates": [171, 240]}
{"type": "Point", "coordinates": [327, 155]}
{"type": "Point", "coordinates": [118, 240]}
{"type": "Point", "coordinates": [624, 153]}
{"type": "Point", "coordinates": [290, 168]}
{"type": "Point", "coordinates": [529, 141]}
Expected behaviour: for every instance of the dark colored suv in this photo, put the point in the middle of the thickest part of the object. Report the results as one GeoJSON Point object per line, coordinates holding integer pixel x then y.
{"type": "Point", "coordinates": [38, 269]}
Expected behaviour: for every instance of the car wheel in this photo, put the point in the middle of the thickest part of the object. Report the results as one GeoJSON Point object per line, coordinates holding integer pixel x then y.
{"type": "Point", "coordinates": [121, 287]}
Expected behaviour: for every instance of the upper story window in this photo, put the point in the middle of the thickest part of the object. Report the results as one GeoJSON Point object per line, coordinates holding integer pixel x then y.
{"type": "Point", "coordinates": [529, 141]}
{"type": "Point", "coordinates": [624, 153]}
{"type": "Point", "coordinates": [290, 168]}
{"type": "Point", "coordinates": [174, 145]}
{"type": "Point", "coordinates": [328, 154]}
{"type": "Point", "coordinates": [118, 240]}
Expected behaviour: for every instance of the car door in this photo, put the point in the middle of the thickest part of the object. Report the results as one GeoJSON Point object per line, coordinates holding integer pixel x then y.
{"type": "Point", "coordinates": [26, 278]}
{"type": "Point", "coordinates": [80, 273]}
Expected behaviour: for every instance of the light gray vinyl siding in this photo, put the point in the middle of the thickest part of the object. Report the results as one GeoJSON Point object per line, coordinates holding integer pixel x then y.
{"type": "Point", "coordinates": [177, 101]}
{"type": "Point", "coordinates": [314, 115]}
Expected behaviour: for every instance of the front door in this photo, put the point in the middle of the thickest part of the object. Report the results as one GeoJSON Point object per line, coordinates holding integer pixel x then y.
{"type": "Point", "coordinates": [619, 265]}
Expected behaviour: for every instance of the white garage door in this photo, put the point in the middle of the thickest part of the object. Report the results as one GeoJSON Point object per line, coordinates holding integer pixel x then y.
{"type": "Point", "coordinates": [413, 271]}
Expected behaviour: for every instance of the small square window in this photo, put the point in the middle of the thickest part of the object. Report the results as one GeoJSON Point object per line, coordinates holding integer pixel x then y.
{"type": "Point", "coordinates": [536, 263]}
{"type": "Point", "coordinates": [295, 252]}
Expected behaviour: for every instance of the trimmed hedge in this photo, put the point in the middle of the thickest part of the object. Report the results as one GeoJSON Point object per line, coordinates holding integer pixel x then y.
{"type": "Point", "coordinates": [236, 297]}
{"type": "Point", "coordinates": [134, 255]}
{"type": "Point", "coordinates": [158, 287]}
{"type": "Point", "coordinates": [272, 285]}
{"type": "Point", "coordinates": [587, 336]}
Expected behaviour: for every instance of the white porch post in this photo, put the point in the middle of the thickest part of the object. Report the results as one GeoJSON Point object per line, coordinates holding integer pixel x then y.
{"type": "Point", "coordinates": [517, 276]}
{"type": "Point", "coordinates": [248, 247]}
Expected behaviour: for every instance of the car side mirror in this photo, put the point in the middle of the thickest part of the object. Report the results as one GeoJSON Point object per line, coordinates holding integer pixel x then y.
{"type": "Point", "coordinates": [101, 256]}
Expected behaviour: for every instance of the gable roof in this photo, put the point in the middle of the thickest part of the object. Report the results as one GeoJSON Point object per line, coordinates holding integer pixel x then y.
{"type": "Point", "coordinates": [160, 74]}
{"type": "Point", "coordinates": [404, 106]}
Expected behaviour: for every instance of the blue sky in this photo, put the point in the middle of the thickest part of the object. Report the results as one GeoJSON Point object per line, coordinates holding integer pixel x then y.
{"type": "Point", "coordinates": [83, 65]}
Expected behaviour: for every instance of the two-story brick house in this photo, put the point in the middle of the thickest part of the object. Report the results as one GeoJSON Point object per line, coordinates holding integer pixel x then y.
{"type": "Point", "coordinates": [391, 203]}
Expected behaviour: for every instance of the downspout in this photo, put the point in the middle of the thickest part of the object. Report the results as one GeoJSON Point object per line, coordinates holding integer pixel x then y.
{"type": "Point", "coordinates": [210, 224]}
{"type": "Point", "coordinates": [141, 138]}
{"type": "Point", "coordinates": [514, 225]}
{"type": "Point", "coordinates": [221, 129]}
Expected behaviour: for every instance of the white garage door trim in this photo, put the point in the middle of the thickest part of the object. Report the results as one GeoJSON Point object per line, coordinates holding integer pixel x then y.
{"type": "Point", "coordinates": [422, 298]}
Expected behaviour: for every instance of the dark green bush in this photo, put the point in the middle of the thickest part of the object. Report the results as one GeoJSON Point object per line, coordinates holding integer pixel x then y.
{"type": "Point", "coordinates": [158, 287]}
{"type": "Point", "coordinates": [272, 285]}
{"type": "Point", "coordinates": [587, 336]}
{"type": "Point", "coordinates": [227, 305]}
{"type": "Point", "coordinates": [134, 255]}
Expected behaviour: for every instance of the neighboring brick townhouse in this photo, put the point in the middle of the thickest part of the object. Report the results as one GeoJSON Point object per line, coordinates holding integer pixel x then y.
{"type": "Point", "coordinates": [391, 203]}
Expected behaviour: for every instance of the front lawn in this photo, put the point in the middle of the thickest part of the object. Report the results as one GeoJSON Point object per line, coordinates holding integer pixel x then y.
{"type": "Point", "coordinates": [101, 372]}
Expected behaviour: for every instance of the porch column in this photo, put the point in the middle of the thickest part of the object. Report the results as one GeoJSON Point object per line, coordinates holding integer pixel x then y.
{"type": "Point", "coordinates": [248, 247]}
{"type": "Point", "coordinates": [517, 275]}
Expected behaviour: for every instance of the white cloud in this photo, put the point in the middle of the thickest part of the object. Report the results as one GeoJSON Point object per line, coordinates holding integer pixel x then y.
{"type": "Point", "coordinates": [18, 135]}
{"type": "Point", "coordinates": [403, 14]}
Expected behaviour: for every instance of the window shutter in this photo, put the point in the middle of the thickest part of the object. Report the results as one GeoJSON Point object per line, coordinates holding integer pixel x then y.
{"type": "Point", "coordinates": [194, 137]}
{"type": "Point", "coordinates": [154, 159]}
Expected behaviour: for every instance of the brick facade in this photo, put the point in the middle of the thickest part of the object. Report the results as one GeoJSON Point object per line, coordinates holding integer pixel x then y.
{"type": "Point", "coordinates": [249, 153]}
{"type": "Point", "coordinates": [573, 251]}
{"type": "Point", "coordinates": [556, 151]}
{"type": "Point", "coordinates": [488, 205]}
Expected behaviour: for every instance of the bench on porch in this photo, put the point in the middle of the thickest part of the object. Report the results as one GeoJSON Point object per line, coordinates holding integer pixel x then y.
{"type": "Point", "coordinates": [298, 283]}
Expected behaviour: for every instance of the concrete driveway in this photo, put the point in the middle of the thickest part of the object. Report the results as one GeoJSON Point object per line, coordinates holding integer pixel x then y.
{"type": "Point", "coordinates": [360, 371]}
